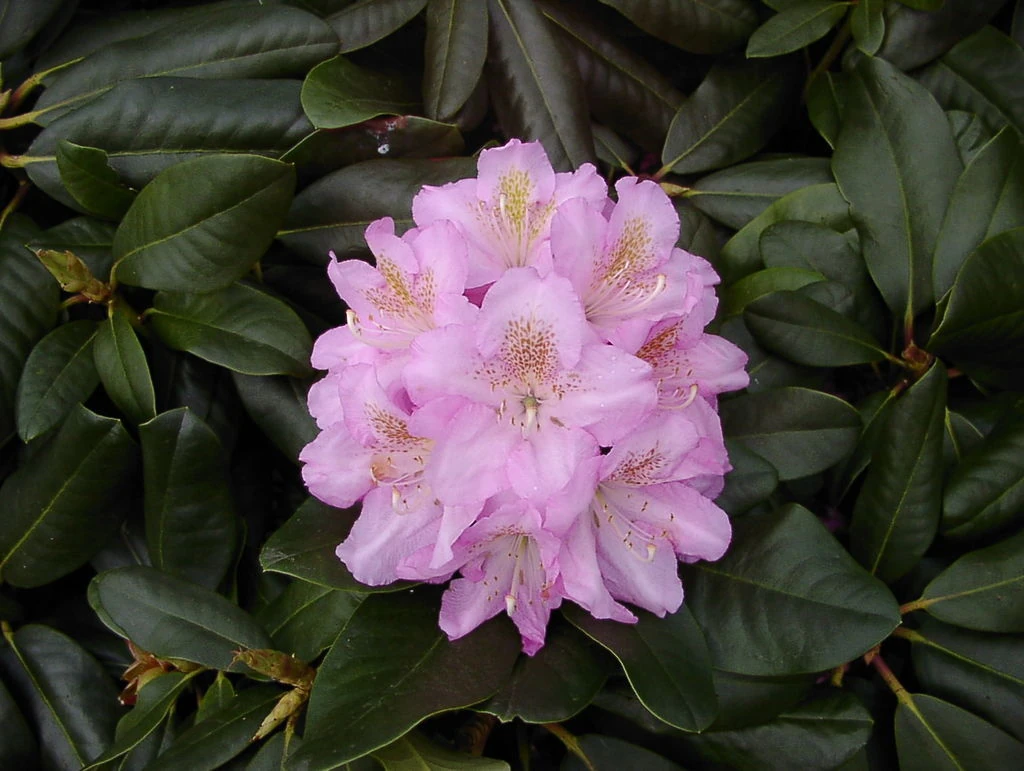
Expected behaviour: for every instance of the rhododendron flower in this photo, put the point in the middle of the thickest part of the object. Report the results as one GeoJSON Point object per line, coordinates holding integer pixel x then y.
{"type": "Point", "coordinates": [523, 399]}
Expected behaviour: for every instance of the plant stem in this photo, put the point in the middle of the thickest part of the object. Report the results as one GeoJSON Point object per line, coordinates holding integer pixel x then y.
{"type": "Point", "coordinates": [15, 201]}
{"type": "Point", "coordinates": [836, 48]}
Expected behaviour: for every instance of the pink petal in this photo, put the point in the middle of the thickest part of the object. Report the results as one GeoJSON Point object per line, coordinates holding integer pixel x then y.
{"type": "Point", "coordinates": [541, 464]}
{"type": "Point", "coordinates": [652, 452]}
{"type": "Point", "coordinates": [581, 575]}
{"type": "Point", "coordinates": [467, 463]}
{"type": "Point", "coordinates": [445, 362]}
{"type": "Point", "coordinates": [650, 584]}
{"type": "Point", "coordinates": [698, 529]}
{"type": "Point", "coordinates": [577, 242]}
{"type": "Point", "coordinates": [336, 467]}
{"type": "Point", "coordinates": [324, 400]}
{"type": "Point", "coordinates": [519, 172]}
{"type": "Point", "coordinates": [584, 183]}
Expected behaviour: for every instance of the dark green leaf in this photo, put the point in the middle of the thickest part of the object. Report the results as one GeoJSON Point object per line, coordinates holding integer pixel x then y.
{"type": "Point", "coordinates": [365, 22]}
{"type": "Point", "coordinates": [983, 672]}
{"type": "Point", "coordinates": [332, 213]}
{"type": "Point", "coordinates": [339, 93]}
{"type": "Point", "coordinates": [147, 125]}
{"type": "Point", "coordinates": [91, 182]}
{"type": "Point", "coordinates": [960, 438]}
{"type": "Point", "coordinates": [255, 42]}
{"type": "Point", "coordinates": [225, 734]}
{"type": "Point", "coordinates": [983, 590]}
{"type": "Point", "coordinates": [71, 700]}
{"type": "Point", "coordinates": [702, 27]}
{"type": "Point", "coordinates": [913, 38]}
{"type": "Point", "coordinates": [873, 411]}
{"type": "Point", "coordinates": [608, 752]}
{"type": "Point", "coordinates": [65, 502]}
{"type": "Point", "coordinates": [665, 659]}
{"type": "Point", "coordinates": [1017, 25]}
{"type": "Point", "coordinates": [59, 374]}
{"type": "Point", "coordinates": [535, 86]}
{"type": "Point", "coordinates": [454, 54]}
{"type": "Point", "coordinates": [414, 751]}
{"type": "Point", "coordinates": [897, 512]}
{"type": "Point", "coordinates": [305, 618]}
{"type": "Point", "coordinates": [825, 98]}
{"type": "Point", "coordinates": [239, 327]}
{"type": "Point", "coordinates": [556, 683]}
{"type": "Point", "coordinates": [932, 734]}
{"type": "Point", "coordinates": [985, 493]}
{"type": "Point", "coordinates": [751, 480]}
{"type": "Point", "coordinates": [90, 239]}
{"type": "Point", "coordinates": [969, 132]}
{"type": "Point", "coordinates": [896, 163]}
{"type": "Point", "coordinates": [988, 199]}
{"type": "Point", "coordinates": [201, 224]}
{"type": "Point", "coordinates": [220, 693]}
{"type": "Point", "coordinates": [749, 289]}
{"type": "Point", "coordinates": [798, 25]}
{"type": "Point", "coordinates": [122, 366]}
{"type": "Point", "coordinates": [278, 406]}
{"type": "Point", "coordinates": [190, 516]}
{"type": "Point", "coordinates": [172, 618]}
{"type": "Point", "coordinates": [736, 195]}
{"type": "Point", "coordinates": [390, 668]}
{"type": "Point", "coordinates": [799, 431]}
{"type": "Point", "coordinates": [19, 748]}
{"type": "Point", "coordinates": [732, 114]}
{"type": "Point", "coordinates": [981, 75]}
{"type": "Point", "coordinates": [697, 232]}
{"type": "Point", "coordinates": [21, 21]}
{"type": "Point", "coordinates": [867, 23]}
{"type": "Point", "coordinates": [745, 701]}
{"type": "Point", "coordinates": [808, 332]}
{"type": "Point", "coordinates": [787, 598]}
{"type": "Point", "coordinates": [768, 372]}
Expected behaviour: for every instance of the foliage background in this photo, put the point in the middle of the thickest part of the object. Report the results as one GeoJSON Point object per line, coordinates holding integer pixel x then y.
{"type": "Point", "coordinates": [855, 172]}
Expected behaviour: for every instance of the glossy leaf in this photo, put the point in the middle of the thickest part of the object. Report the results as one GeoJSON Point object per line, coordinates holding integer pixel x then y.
{"type": "Point", "coordinates": [969, 132]}
{"type": "Point", "coordinates": [896, 163]}
{"type": "Point", "coordinates": [414, 751]}
{"type": "Point", "coordinates": [988, 199]}
{"type": "Point", "coordinates": [665, 659]}
{"type": "Point", "coordinates": [394, 639]}
{"type": "Point", "coordinates": [787, 598]}
{"type": "Point", "coordinates": [874, 416]}
{"type": "Point", "coordinates": [19, 748]}
{"type": "Point", "coordinates": [705, 27]}
{"type": "Point", "coordinates": [799, 24]}
{"type": "Point", "coordinates": [63, 504]}
{"type": "Point", "coordinates": [983, 590]}
{"type": "Point", "coordinates": [305, 618]}
{"type": "Point", "coordinates": [172, 618]}
{"type": "Point", "coordinates": [454, 53]}
{"type": "Point", "coordinates": [339, 93]}
{"type": "Point", "coordinates": [59, 373]}
{"type": "Point", "coordinates": [867, 23]}
{"type": "Point", "coordinates": [220, 693]}
{"type": "Point", "coordinates": [825, 96]}
{"type": "Point", "coordinates": [122, 366]}
{"type": "Point", "coordinates": [745, 701]}
{"type": "Point", "coordinates": [799, 431]}
{"type": "Point", "coordinates": [749, 289]}
{"type": "Point", "coordinates": [897, 512]}
{"type": "Point", "coordinates": [732, 114]}
{"type": "Point", "coordinates": [70, 699]}
{"type": "Point", "coordinates": [751, 480]}
{"type": "Point", "coordinates": [917, 37]}
{"type": "Point", "coordinates": [365, 22]}
{"type": "Point", "coordinates": [189, 511]}
{"type": "Point", "coordinates": [535, 88]}
{"type": "Point", "coordinates": [278, 406]}
{"type": "Point", "coordinates": [88, 238]}
{"type": "Point", "coordinates": [89, 179]}
{"type": "Point", "coordinates": [202, 224]}
{"type": "Point", "coordinates": [22, 21]}
{"type": "Point", "coordinates": [238, 327]}
{"type": "Point", "coordinates": [609, 752]}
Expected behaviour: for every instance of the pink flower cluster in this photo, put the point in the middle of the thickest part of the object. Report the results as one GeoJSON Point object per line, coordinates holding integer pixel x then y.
{"type": "Point", "coordinates": [524, 395]}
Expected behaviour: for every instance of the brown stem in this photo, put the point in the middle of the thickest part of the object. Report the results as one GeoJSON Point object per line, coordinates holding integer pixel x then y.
{"type": "Point", "coordinates": [15, 202]}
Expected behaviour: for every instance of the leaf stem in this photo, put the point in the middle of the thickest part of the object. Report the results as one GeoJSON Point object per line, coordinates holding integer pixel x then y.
{"type": "Point", "coordinates": [32, 82]}
{"type": "Point", "coordinates": [570, 743]}
{"type": "Point", "coordinates": [836, 48]}
{"type": "Point", "coordinates": [15, 202]}
{"type": "Point", "coordinates": [901, 693]}
{"type": "Point", "coordinates": [909, 634]}
{"type": "Point", "coordinates": [918, 604]}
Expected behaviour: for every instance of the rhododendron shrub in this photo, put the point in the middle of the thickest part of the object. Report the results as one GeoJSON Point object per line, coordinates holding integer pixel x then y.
{"type": "Point", "coordinates": [523, 398]}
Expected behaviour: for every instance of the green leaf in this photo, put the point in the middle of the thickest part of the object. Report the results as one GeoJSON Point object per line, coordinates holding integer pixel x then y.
{"type": "Point", "coordinates": [970, 134]}
{"type": "Point", "coordinates": [749, 289]}
{"type": "Point", "coordinates": [269, 41]}
{"type": "Point", "coordinates": [983, 590]}
{"type": "Point", "coordinates": [665, 659]}
{"type": "Point", "coordinates": [701, 27]}
{"type": "Point", "coordinates": [960, 438]}
{"type": "Point", "coordinates": [89, 239]}
{"type": "Point", "coordinates": [70, 699]}
{"type": "Point", "coordinates": [983, 672]}
{"type": "Point", "coordinates": [454, 54]}
{"type": "Point", "coordinates": [808, 332]}
{"type": "Point", "coordinates": [986, 491]}
{"type": "Point", "coordinates": [787, 598]}
{"type": "Point", "coordinates": [823, 732]}
{"type": "Point", "coordinates": [19, 748]}
{"type": "Point", "coordinates": [825, 97]}
{"type": "Point", "coordinates": [146, 126]}
{"type": "Point", "coordinates": [867, 23]}
{"type": "Point", "coordinates": [745, 701]}
{"type": "Point", "coordinates": [59, 373]}
{"type": "Point", "coordinates": [799, 431]}
{"type": "Point", "coordinates": [333, 212]}
{"type": "Point", "coordinates": [172, 618]}
{"type": "Point", "coordinates": [365, 22]}
{"type": "Point", "coordinates": [64, 503]}
{"type": "Point", "coordinates": [278, 406]}
{"type": "Point", "coordinates": [736, 195]}
{"type": "Point", "coordinates": [201, 224]}
{"type": "Point", "coordinates": [896, 163]}
{"type": "Point", "coordinates": [896, 515]}
{"type": "Point", "coordinates": [22, 21]}
{"type": "Point", "coordinates": [535, 87]}
{"type": "Point", "coordinates": [239, 327]}
{"type": "Point", "coordinates": [984, 320]}
{"type": "Point", "coordinates": [91, 182]}
{"type": "Point", "coordinates": [798, 25]}
{"type": "Point", "coordinates": [751, 480]}
{"type": "Point", "coordinates": [913, 38]}
{"type": "Point", "coordinates": [339, 93]}
{"type": "Point", "coordinates": [874, 416]}
{"type": "Point", "coordinates": [304, 619]}
{"type": "Point", "coordinates": [733, 113]}
{"type": "Point", "coordinates": [29, 297]}
{"type": "Point", "coordinates": [392, 667]}
{"type": "Point", "coordinates": [980, 75]}
{"type": "Point", "coordinates": [608, 752]}
{"type": "Point", "coordinates": [122, 366]}
{"type": "Point", "coordinates": [217, 739]}
{"type": "Point", "coordinates": [768, 372]}
{"type": "Point", "coordinates": [556, 683]}
{"type": "Point", "coordinates": [220, 693]}
{"type": "Point", "coordinates": [189, 512]}
{"type": "Point", "coordinates": [933, 734]}
{"type": "Point", "coordinates": [414, 752]}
